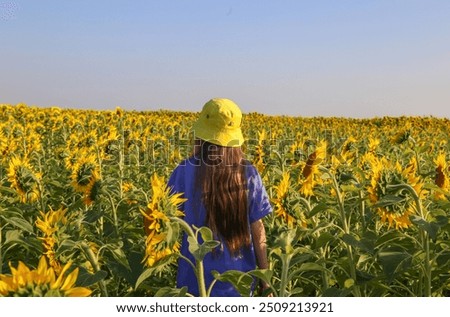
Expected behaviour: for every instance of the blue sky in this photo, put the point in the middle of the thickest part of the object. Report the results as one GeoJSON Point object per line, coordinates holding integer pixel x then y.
{"type": "Point", "coordinates": [304, 58]}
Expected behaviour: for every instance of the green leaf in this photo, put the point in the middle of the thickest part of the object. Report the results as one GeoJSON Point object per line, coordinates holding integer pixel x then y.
{"type": "Point", "coordinates": [144, 275]}
{"type": "Point", "coordinates": [443, 259]}
{"type": "Point", "coordinates": [19, 223]}
{"type": "Point", "coordinates": [441, 220]}
{"type": "Point", "coordinates": [344, 177]}
{"type": "Point", "coordinates": [205, 233]}
{"type": "Point", "coordinates": [432, 228]}
{"type": "Point", "coordinates": [363, 244]}
{"type": "Point", "coordinates": [363, 277]}
{"type": "Point", "coordinates": [8, 190]}
{"type": "Point", "coordinates": [147, 273]}
{"type": "Point", "coordinates": [241, 281]}
{"type": "Point", "coordinates": [389, 237]}
{"type": "Point", "coordinates": [171, 292]}
{"type": "Point", "coordinates": [12, 236]}
{"type": "Point", "coordinates": [194, 246]}
{"type": "Point", "coordinates": [317, 208]}
{"type": "Point", "coordinates": [87, 279]}
{"type": "Point", "coordinates": [300, 258]}
{"type": "Point", "coordinates": [67, 244]}
{"type": "Point", "coordinates": [264, 275]}
{"type": "Point", "coordinates": [199, 251]}
{"type": "Point", "coordinates": [118, 254]}
{"type": "Point", "coordinates": [388, 200]}
{"type": "Point", "coordinates": [335, 292]}
{"type": "Point", "coordinates": [323, 239]}
{"type": "Point", "coordinates": [311, 266]}
{"type": "Point", "coordinates": [394, 262]}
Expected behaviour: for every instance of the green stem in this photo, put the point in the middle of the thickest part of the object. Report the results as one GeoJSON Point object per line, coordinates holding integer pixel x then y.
{"type": "Point", "coordinates": [114, 212]}
{"type": "Point", "coordinates": [201, 279]}
{"type": "Point", "coordinates": [425, 238]}
{"type": "Point", "coordinates": [325, 278]}
{"type": "Point", "coordinates": [363, 211]}
{"type": "Point", "coordinates": [346, 228]}
{"type": "Point", "coordinates": [284, 275]}
{"type": "Point", "coordinates": [121, 157]}
{"type": "Point", "coordinates": [93, 260]}
{"type": "Point", "coordinates": [199, 269]}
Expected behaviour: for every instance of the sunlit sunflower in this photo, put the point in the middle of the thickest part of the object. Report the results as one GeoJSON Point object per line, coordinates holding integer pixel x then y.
{"type": "Point", "coordinates": [40, 282]}
{"type": "Point", "coordinates": [311, 172]}
{"type": "Point", "coordinates": [33, 142]}
{"type": "Point", "coordinates": [119, 112]}
{"type": "Point", "coordinates": [24, 179]}
{"type": "Point", "coordinates": [107, 142]}
{"type": "Point", "coordinates": [348, 150]}
{"type": "Point", "coordinates": [3, 144]}
{"type": "Point", "coordinates": [280, 202]}
{"type": "Point", "coordinates": [442, 177]}
{"type": "Point", "coordinates": [258, 159]}
{"type": "Point", "coordinates": [156, 221]}
{"type": "Point", "coordinates": [373, 144]}
{"type": "Point", "coordinates": [49, 224]}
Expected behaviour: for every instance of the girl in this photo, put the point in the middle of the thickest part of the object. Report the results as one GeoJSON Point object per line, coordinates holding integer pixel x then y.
{"type": "Point", "coordinates": [225, 193]}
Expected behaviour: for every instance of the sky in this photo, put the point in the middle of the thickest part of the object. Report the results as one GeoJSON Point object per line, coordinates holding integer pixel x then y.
{"type": "Point", "coordinates": [360, 58]}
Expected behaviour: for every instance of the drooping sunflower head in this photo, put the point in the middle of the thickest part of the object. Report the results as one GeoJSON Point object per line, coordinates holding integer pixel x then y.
{"type": "Point", "coordinates": [401, 137]}
{"type": "Point", "coordinates": [92, 192]}
{"type": "Point", "coordinates": [394, 205]}
{"type": "Point", "coordinates": [442, 177]}
{"type": "Point", "coordinates": [315, 159]}
{"type": "Point", "coordinates": [3, 142]}
{"type": "Point", "coordinates": [310, 170]}
{"type": "Point", "coordinates": [40, 282]}
{"type": "Point", "coordinates": [157, 224]}
{"type": "Point", "coordinates": [23, 179]}
{"type": "Point", "coordinates": [85, 173]}
{"type": "Point", "coordinates": [280, 201]}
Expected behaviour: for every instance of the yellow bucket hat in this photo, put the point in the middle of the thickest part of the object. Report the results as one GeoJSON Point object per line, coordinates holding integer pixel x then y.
{"type": "Point", "coordinates": [220, 123]}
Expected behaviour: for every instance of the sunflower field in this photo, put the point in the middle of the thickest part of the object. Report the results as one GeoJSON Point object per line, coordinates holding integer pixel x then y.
{"type": "Point", "coordinates": [361, 206]}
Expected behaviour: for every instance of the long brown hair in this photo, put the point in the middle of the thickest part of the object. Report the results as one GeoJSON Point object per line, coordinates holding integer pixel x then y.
{"type": "Point", "coordinates": [223, 183]}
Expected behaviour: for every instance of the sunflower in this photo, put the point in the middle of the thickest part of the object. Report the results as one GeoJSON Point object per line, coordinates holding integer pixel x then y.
{"type": "Point", "coordinates": [442, 177]}
{"type": "Point", "coordinates": [280, 200]}
{"type": "Point", "coordinates": [107, 142]}
{"type": "Point", "coordinates": [258, 159]}
{"type": "Point", "coordinates": [393, 206]}
{"type": "Point", "coordinates": [157, 223]}
{"type": "Point", "coordinates": [43, 281]}
{"type": "Point", "coordinates": [85, 173]}
{"type": "Point", "coordinates": [373, 144]}
{"type": "Point", "coordinates": [24, 179]}
{"type": "Point", "coordinates": [49, 224]}
{"type": "Point", "coordinates": [311, 172]}
{"type": "Point", "coordinates": [92, 192]}
{"type": "Point", "coordinates": [129, 192]}
{"type": "Point", "coordinates": [3, 143]}
{"type": "Point", "coordinates": [348, 150]}
{"type": "Point", "coordinates": [33, 142]}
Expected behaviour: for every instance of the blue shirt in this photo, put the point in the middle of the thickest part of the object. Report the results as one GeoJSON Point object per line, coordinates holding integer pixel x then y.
{"type": "Point", "coordinates": [182, 180]}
